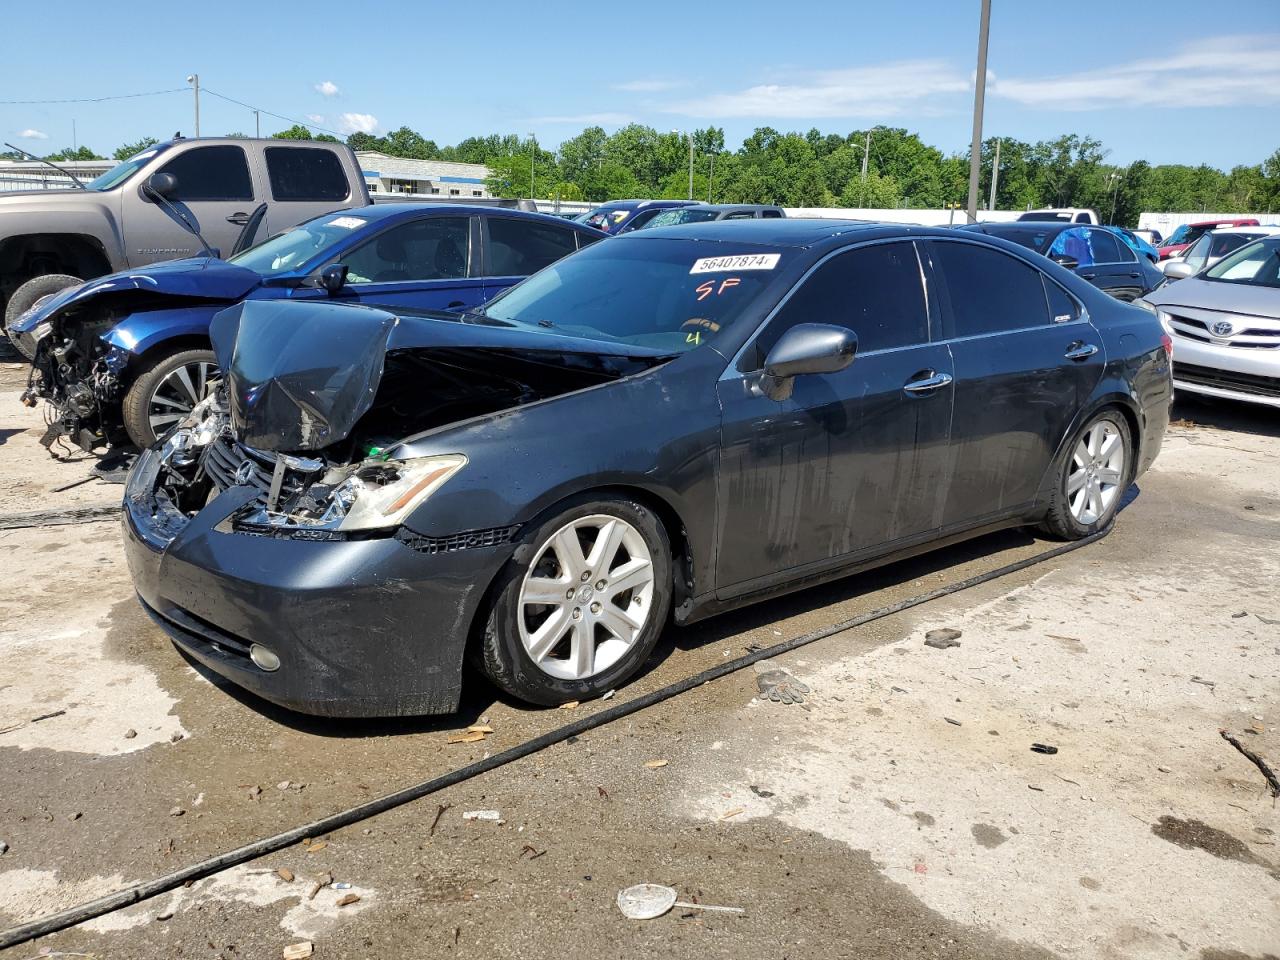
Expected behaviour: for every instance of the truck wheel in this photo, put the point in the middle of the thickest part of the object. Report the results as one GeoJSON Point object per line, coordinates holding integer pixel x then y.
{"type": "Point", "coordinates": [165, 391]}
{"type": "Point", "coordinates": [26, 297]}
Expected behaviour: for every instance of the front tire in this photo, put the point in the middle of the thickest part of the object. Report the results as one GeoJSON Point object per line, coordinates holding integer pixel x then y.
{"type": "Point", "coordinates": [165, 391]}
{"type": "Point", "coordinates": [579, 608]}
{"type": "Point", "coordinates": [26, 297]}
{"type": "Point", "coordinates": [1091, 476]}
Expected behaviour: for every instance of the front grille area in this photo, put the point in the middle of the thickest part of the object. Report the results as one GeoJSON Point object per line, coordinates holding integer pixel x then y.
{"type": "Point", "coordinates": [201, 630]}
{"type": "Point", "coordinates": [1248, 338]}
{"type": "Point", "coordinates": [1227, 380]}
{"type": "Point", "coordinates": [224, 457]}
{"type": "Point", "coordinates": [468, 540]}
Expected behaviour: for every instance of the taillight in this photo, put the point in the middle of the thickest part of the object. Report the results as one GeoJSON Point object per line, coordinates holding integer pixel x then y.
{"type": "Point", "coordinates": [1166, 341]}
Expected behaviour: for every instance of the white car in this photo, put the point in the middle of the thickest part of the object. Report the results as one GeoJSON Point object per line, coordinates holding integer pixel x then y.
{"type": "Point", "coordinates": [1225, 325]}
{"type": "Point", "coordinates": [1212, 247]}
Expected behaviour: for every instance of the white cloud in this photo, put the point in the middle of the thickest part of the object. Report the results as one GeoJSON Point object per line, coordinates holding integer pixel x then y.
{"type": "Point", "coordinates": [649, 86]}
{"type": "Point", "coordinates": [31, 133]}
{"type": "Point", "coordinates": [873, 91]}
{"type": "Point", "coordinates": [1214, 72]}
{"type": "Point", "coordinates": [327, 88]}
{"type": "Point", "coordinates": [590, 119]}
{"type": "Point", "coordinates": [357, 123]}
{"type": "Point", "coordinates": [315, 118]}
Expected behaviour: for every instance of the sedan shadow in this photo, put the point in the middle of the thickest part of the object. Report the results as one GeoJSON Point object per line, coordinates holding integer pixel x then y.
{"type": "Point", "coordinates": [1195, 410]}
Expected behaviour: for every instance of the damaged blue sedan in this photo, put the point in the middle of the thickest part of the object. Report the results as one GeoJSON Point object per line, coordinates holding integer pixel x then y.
{"type": "Point", "coordinates": [661, 427]}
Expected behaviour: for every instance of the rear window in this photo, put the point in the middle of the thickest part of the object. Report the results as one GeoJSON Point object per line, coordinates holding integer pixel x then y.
{"type": "Point", "coordinates": [306, 173]}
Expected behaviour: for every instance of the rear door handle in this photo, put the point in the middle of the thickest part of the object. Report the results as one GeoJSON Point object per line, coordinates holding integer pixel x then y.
{"type": "Point", "coordinates": [455, 303]}
{"type": "Point", "coordinates": [239, 219]}
{"type": "Point", "coordinates": [1088, 276]}
{"type": "Point", "coordinates": [927, 384]}
{"type": "Point", "coordinates": [1135, 275]}
{"type": "Point", "coordinates": [1080, 351]}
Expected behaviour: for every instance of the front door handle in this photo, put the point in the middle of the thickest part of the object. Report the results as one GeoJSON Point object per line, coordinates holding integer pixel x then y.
{"type": "Point", "coordinates": [239, 219]}
{"type": "Point", "coordinates": [927, 384]}
{"type": "Point", "coordinates": [454, 304]}
{"type": "Point", "coordinates": [1080, 351]}
{"type": "Point", "coordinates": [1088, 276]}
{"type": "Point", "coordinates": [1135, 275]}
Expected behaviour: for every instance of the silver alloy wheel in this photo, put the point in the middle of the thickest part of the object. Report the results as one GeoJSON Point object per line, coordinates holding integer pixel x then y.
{"type": "Point", "coordinates": [1097, 471]}
{"type": "Point", "coordinates": [178, 393]}
{"type": "Point", "coordinates": [586, 597]}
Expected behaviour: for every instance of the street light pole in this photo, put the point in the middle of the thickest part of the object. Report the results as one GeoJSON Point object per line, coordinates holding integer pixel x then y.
{"type": "Point", "coordinates": [194, 80]}
{"type": "Point", "coordinates": [995, 177]}
{"type": "Point", "coordinates": [711, 178]}
{"type": "Point", "coordinates": [979, 95]}
{"type": "Point", "coordinates": [690, 165]}
{"type": "Point", "coordinates": [533, 153]}
{"type": "Point", "coordinates": [257, 123]}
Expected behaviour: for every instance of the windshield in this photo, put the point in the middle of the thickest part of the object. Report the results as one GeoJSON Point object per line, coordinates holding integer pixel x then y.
{"type": "Point", "coordinates": [1214, 246]}
{"type": "Point", "coordinates": [1257, 264]}
{"type": "Point", "coordinates": [669, 295]}
{"type": "Point", "coordinates": [1059, 216]}
{"type": "Point", "coordinates": [1031, 237]}
{"type": "Point", "coordinates": [293, 248]}
{"type": "Point", "coordinates": [608, 219]}
{"type": "Point", "coordinates": [669, 218]}
{"type": "Point", "coordinates": [123, 171]}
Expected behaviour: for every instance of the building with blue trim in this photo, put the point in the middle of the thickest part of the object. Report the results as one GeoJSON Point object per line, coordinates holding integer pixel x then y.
{"type": "Point", "coordinates": [432, 178]}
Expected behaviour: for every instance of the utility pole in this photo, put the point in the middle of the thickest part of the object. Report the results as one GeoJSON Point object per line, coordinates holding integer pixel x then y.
{"type": "Point", "coordinates": [1115, 191]}
{"type": "Point", "coordinates": [75, 147]}
{"type": "Point", "coordinates": [257, 123]}
{"type": "Point", "coordinates": [979, 95]}
{"type": "Point", "coordinates": [711, 178]}
{"type": "Point", "coordinates": [866, 152]}
{"type": "Point", "coordinates": [690, 165]}
{"type": "Point", "coordinates": [194, 80]}
{"type": "Point", "coordinates": [995, 177]}
{"type": "Point", "coordinates": [533, 154]}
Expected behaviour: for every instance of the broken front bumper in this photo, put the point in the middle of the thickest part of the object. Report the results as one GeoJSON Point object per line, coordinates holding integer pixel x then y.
{"type": "Point", "coordinates": [373, 627]}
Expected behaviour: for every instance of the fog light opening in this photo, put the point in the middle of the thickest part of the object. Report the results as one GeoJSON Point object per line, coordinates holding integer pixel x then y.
{"type": "Point", "coordinates": [263, 658]}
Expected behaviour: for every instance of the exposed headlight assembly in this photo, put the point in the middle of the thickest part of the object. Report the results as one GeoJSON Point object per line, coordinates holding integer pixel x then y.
{"type": "Point", "coordinates": [380, 494]}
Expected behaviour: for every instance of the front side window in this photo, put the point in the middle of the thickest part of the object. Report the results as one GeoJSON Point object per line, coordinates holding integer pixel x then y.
{"type": "Point", "coordinates": [435, 248]}
{"type": "Point", "coordinates": [874, 291]}
{"type": "Point", "coordinates": [668, 295]}
{"type": "Point", "coordinates": [987, 290]}
{"type": "Point", "coordinates": [1257, 264]}
{"type": "Point", "coordinates": [305, 173]}
{"type": "Point", "coordinates": [211, 173]}
{"type": "Point", "coordinates": [518, 248]}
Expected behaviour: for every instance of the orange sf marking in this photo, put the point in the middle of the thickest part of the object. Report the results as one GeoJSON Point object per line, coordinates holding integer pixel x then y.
{"type": "Point", "coordinates": [704, 289]}
{"type": "Point", "coordinates": [726, 283]}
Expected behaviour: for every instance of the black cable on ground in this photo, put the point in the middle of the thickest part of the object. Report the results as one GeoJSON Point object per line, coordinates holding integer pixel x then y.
{"type": "Point", "coordinates": [345, 818]}
{"type": "Point", "coordinates": [53, 518]}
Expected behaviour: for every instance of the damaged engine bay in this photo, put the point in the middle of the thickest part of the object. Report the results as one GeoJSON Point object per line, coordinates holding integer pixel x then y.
{"type": "Point", "coordinates": [320, 442]}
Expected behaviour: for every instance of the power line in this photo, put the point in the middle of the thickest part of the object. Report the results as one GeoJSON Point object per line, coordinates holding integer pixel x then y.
{"type": "Point", "coordinates": [121, 96]}
{"type": "Point", "coordinates": [278, 116]}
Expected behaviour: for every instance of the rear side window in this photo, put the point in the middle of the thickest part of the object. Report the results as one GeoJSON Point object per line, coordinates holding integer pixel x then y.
{"type": "Point", "coordinates": [988, 291]}
{"type": "Point", "coordinates": [874, 291]}
{"type": "Point", "coordinates": [587, 239]}
{"type": "Point", "coordinates": [305, 173]}
{"type": "Point", "coordinates": [772, 214]}
{"type": "Point", "coordinates": [211, 173]}
{"type": "Point", "coordinates": [518, 248]}
{"type": "Point", "coordinates": [1062, 307]}
{"type": "Point", "coordinates": [1106, 248]}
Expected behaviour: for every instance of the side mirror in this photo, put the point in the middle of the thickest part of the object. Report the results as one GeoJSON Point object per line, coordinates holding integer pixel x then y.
{"type": "Point", "coordinates": [1065, 260]}
{"type": "Point", "coordinates": [334, 277]}
{"type": "Point", "coordinates": [806, 348]}
{"type": "Point", "coordinates": [1177, 269]}
{"type": "Point", "coordinates": [162, 185]}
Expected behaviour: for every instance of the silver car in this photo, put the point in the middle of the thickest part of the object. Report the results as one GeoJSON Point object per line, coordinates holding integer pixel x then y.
{"type": "Point", "coordinates": [1225, 322]}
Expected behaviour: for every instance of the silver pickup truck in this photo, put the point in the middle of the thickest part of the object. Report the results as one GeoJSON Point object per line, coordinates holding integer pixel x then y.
{"type": "Point", "coordinates": [234, 191]}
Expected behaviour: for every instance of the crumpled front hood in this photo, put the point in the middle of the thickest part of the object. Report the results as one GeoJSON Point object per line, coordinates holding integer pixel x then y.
{"type": "Point", "coordinates": [1250, 299]}
{"type": "Point", "coordinates": [299, 375]}
{"type": "Point", "coordinates": [205, 278]}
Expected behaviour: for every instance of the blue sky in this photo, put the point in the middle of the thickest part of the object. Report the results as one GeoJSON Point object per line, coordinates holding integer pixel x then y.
{"type": "Point", "coordinates": [1167, 82]}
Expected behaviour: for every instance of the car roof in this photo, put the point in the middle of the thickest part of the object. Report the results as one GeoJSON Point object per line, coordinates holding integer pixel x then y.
{"type": "Point", "coordinates": [1210, 223]}
{"type": "Point", "coordinates": [636, 204]}
{"type": "Point", "coordinates": [409, 210]}
{"type": "Point", "coordinates": [783, 231]}
{"type": "Point", "coordinates": [1015, 227]}
{"type": "Point", "coordinates": [1264, 230]}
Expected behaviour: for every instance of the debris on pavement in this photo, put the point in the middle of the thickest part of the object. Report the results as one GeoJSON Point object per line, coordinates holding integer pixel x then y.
{"type": "Point", "coordinates": [778, 685]}
{"type": "Point", "coordinates": [729, 814]}
{"type": "Point", "coordinates": [298, 951]}
{"type": "Point", "coordinates": [943, 638]}
{"type": "Point", "coordinates": [645, 901]}
{"type": "Point", "coordinates": [492, 815]}
{"type": "Point", "coordinates": [22, 723]}
{"type": "Point", "coordinates": [1273, 782]}
{"type": "Point", "coordinates": [321, 882]}
{"type": "Point", "coordinates": [285, 874]}
{"type": "Point", "coordinates": [655, 764]}
{"type": "Point", "coordinates": [467, 736]}
{"type": "Point", "coordinates": [571, 705]}
{"type": "Point", "coordinates": [440, 809]}
{"type": "Point", "coordinates": [1044, 748]}
{"type": "Point", "coordinates": [317, 845]}
{"type": "Point", "coordinates": [130, 733]}
{"type": "Point", "coordinates": [608, 695]}
{"type": "Point", "coordinates": [347, 899]}
{"type": "Point", "coordinates": [4, 848]}
{"type": "Point", "coordinates": [763, 794]}
{"type": "Point", "coordinates": [176, 812]}
{"type": "Point", "coordinates": [533, 852]}
{"type": "Point", "coordinates": [953, 722]}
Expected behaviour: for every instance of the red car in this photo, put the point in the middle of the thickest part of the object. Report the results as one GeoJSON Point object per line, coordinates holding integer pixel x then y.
{"type": "Point", "coordinates": [1189, 233]}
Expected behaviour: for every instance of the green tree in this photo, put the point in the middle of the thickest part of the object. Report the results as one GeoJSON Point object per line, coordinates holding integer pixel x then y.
{"type": "Point", "coordinates": [127, 150]}
{"type": "Point", "coordinates": [80, 153]}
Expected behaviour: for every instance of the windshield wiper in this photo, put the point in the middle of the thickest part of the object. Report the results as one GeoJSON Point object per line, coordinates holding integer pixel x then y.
{"type": "Point", "coordinates": [47, 163]}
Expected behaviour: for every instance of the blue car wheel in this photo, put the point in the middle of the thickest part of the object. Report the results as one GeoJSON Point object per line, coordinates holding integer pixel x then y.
{"type": "Point", "coordinates": [166, 391]}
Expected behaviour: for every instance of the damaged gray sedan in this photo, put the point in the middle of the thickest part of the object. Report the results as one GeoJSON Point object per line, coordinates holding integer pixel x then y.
{"type": "Point", "coordinates": [663, 426]}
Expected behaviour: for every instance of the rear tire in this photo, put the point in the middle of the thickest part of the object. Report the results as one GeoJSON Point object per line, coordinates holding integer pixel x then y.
{"type": "Point", "coordinates": [165, 391]}
{"type": "Point", "coordinates": [1090, 477]}
{"type": "Point", "coordinates": [603, 565]}
{"type": "Point", "coordinates": [26, 297]}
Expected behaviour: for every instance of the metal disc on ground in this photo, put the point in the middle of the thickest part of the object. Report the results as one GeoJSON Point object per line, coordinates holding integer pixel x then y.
{"type": "Point", "coordinates": [645, 901]}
